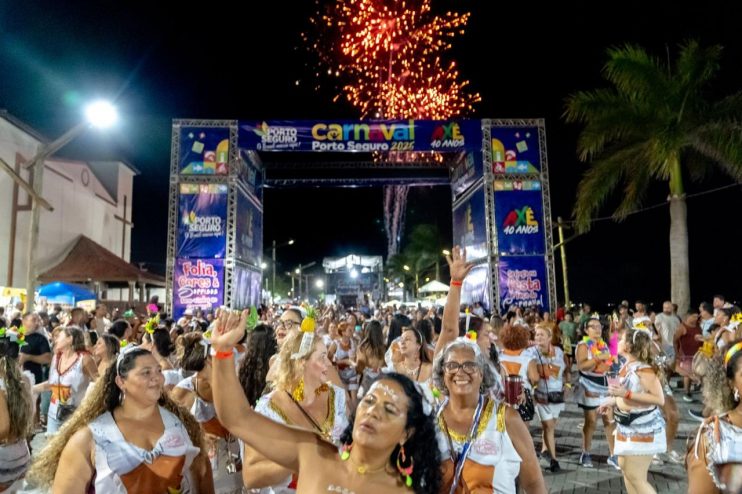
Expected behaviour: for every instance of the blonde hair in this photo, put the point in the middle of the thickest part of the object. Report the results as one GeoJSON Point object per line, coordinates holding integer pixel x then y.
{"type": "Point", "coordinates": [104, 397]}
{"type": "Point", "coordinates": [20, 403]}
{"type": "Point", "coordinates": [290, 371]}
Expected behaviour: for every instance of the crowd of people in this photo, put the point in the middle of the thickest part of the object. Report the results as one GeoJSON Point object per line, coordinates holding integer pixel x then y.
{"type": "Point", "coordinates": [327, 399]}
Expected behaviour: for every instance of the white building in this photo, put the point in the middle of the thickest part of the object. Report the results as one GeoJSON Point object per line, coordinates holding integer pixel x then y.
{"type": "Point", "coordinates": [93, 199]}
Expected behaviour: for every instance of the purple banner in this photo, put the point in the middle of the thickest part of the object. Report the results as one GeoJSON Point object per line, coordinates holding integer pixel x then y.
{"type": "Point", "coordinates": [247, 287]}
{"type": "Point", "coordinates": [519, 219]}
{"type": "Point", "coordinates": [515, 150]}
{"type": "Point", "coordinates": [469, 226]}
{"type": "Point", "coordinates": [204, 151]}
{"type": "Point", "coordinates": [249, 231]}
{"type": "Point", "coordinates": [523, 282]}
{"type": "Point", "coordinates": [197, 284]}
{"type": "Point", "coordinates": [202, 221]}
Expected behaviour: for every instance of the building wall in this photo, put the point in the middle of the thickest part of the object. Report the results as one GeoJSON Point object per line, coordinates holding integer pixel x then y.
{"type": "Point", "coordinates": [82, 206]}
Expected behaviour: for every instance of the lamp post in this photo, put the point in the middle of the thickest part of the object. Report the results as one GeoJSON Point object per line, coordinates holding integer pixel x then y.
{"type": "Point", "coordinates": [99, 114]}
{"type": "Point", "coordinates": [273, 286]}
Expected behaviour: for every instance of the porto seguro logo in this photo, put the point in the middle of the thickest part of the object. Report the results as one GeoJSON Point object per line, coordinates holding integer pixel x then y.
{"type": "Point", "coordinates": [520, 222]}
{"type": "Point", "coordinates": [202, 225]}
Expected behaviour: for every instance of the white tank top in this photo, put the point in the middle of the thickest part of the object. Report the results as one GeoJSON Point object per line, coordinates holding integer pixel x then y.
{"type": "Point", "coordinates": [517, 364]}
{"type": "Point", "coordinates": [114, 456]}
{"type": "Point", "coordinates": [555, 363]}
{"type": "Point", "coordinates": [73, 383]}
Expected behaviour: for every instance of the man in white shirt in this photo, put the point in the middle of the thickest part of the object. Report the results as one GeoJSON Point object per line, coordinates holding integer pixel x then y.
{"type": "Point", "coordinates": [667, 323]}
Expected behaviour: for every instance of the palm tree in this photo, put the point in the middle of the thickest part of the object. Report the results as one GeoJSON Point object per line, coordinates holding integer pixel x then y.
{"type": "Point", "coordinates": [654, 123]}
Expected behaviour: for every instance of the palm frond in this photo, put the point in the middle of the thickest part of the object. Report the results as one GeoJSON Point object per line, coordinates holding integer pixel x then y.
{"type": "Point", "coordinates": [697, 65]}
{"type": "Point", "coordinates": [722, 143]}
{"type": "Point", "coordinates": [636, 74]}
{"type": "Point", "coordinates": [634, 191]}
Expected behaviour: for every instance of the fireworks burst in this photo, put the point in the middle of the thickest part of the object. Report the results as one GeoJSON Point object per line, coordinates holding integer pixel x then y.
{"type": "Point", "coordinates": [388, 55]}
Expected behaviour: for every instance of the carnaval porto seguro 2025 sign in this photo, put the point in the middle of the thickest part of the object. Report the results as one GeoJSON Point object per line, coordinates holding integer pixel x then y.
{"type": "Point", "coordinates": [202, 221]}
{"type": "Point", "coordinates": [361, 136]}
{"type": "Point", "coordinates": [522, 282]}
{"type": "Point", "coordinates": [197, 284]}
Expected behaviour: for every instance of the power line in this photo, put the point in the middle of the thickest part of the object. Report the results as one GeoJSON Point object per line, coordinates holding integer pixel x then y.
{"type": "Point", "coordinates": [659, 205]}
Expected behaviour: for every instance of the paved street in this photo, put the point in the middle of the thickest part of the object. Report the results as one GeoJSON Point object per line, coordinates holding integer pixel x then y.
{"type": "Point", "coordinates": [573, 479]}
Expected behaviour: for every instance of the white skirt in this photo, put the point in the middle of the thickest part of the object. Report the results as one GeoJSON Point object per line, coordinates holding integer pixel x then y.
{"type": "Point", "coordinates": [549, 411]}
{"type": "Point", "coordinates": [645, 436]}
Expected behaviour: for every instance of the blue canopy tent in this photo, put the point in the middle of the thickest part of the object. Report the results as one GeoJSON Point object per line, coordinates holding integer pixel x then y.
{"type": "Point", "coordinates": [65, 293]}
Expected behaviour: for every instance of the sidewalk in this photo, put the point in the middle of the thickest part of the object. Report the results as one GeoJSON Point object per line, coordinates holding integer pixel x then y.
{"type": "Point", "coordinates": [574, 479]}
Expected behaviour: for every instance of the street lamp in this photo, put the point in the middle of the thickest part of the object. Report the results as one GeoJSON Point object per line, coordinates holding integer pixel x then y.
{"type": "Point", "coordinates": [406, 267]}
{"type": "Point", "coordinates": [98, 114]}
{"type": "Point", "coordinates": [263, 265]}
{"type": "Point", "coordinates": [319, 284]}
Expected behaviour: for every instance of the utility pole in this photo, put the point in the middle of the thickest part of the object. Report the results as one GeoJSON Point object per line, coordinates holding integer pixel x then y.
{"type": "Point", "coordinates": [563, 252]}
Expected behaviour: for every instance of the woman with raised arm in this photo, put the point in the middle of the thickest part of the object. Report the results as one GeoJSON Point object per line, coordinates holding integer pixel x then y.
{"type": "Point", "coordinates": [302, 397]}
{"type": "Point", "coordinates": [714, 462]}
{"type": "Point", "coordinates": [484, 444]}
{"type": "Point", "coordinates": [388, 446]}
{"type": "Point", "coordinates": [128, 437]}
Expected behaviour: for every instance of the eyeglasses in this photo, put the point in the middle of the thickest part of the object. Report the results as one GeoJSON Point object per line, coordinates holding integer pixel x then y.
{"type": "Point", "coordinates": [288, 324]}
{"type": "Point", "coordinates": [453, 367]}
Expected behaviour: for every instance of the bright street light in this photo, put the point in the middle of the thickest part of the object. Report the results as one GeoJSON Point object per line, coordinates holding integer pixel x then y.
{"type": "Point", "coordinates": [263, 265]}
{"type": "Point", "coordinates": [101, 114]}
{"type": "Point", "coordinates": [319, 284]}
{"type": "Point", "coordinates": [291, 242]}
{"type": "Point", "coordinates": [446, 252]}
{"type": "Point", "coordinates": [297, 271]}
{"type": "Point", "coordinates": [401, 285]}
{"type": "Point", "coordinates": [406, 267]}
{"type": "Point", "coordinates": [97, 115]}
{"type": "Point", "coordinates": [353, 273]}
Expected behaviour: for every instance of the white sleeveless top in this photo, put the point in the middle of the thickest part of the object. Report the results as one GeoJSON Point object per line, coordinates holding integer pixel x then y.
{"type": "Point", "coordinates": [556, 370]}
{"type": "Point", "coordinates": [520, 362]}
{"type": "Point", "coordinates": [15, 458]}
{"type": "Point", "coordinates": [202, 410]}
{"type": "Point", "coordinates": [74, 379]}
{"type": "Point", "coordinates": [114, 456]}
{"type": "Point", "coordinates": [337, 426]}
{"type": "Point", "coordinates": [491, 447]}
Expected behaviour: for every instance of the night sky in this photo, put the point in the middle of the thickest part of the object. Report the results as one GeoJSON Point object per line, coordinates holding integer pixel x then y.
{"type": "Point", "coordinates": [213, 62]}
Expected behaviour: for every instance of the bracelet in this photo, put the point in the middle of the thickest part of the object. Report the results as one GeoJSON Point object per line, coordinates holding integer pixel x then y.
{"type": "Point", "coordinates": [627, 396]}
{"type": "Point", "coordinates": [456, 283]}
{"type": "Point", "coordinates": [224, 355]}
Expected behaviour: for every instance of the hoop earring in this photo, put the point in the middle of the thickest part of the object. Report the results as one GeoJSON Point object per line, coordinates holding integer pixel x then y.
{"type": "Point", "coordinates": [123, 397]}
{"type": "Point", "coordinates": [736, 394]}
{"type": "Point", "coordinates": [405, 472]}
{"type": "Point", "coordinates": [298, 392]}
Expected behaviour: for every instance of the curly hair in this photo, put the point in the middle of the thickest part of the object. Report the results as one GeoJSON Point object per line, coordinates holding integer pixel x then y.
{"type": "Point", "coordinates": [104, 397]}
{"type": "Point", "coordinates": [291, 370]}
{"type": "Point", "coordinates": [18, 392]}
{"type": "Point", "coordinates": [488, 375]}
{"type": "Point", "coordinates": [515, 337]}
{"type": "Point", "coordinates": [421, 446]}
{"type": "Point", "coordinates": [112, 344]}
{"type": "Point", "coordinates": [261, 346]}
{"type": "Point", "coordinates": [718, 390]}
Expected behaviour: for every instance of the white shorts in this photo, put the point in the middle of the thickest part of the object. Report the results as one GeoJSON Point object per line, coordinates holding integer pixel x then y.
{"type": "Point", "coordinates": [550, 411]}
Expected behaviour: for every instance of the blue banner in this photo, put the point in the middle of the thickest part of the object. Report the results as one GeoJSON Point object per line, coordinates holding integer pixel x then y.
{"type": "Point", "coordinates": [247, 287]}
{"type": "Point", "coordinates": [515, 150]}
{"type": "Point", "coordinates": [470, 226]}
{"type": "Point", "coordinates": [197, 284]}
{"type": "Point", "coordinates": [248, 231]}
{"type": "Point", "coordinates": [523, 282]}
{"type": "Point", "coordinates": [202, 221]}
{"type": "Point", "coordinates": [361, 136]}
{"type": "Point", "coordinates": [252, 175]}
{"type": "Point", "coordinates": [468, 169]}
{"type": "Point", "coordinates": [204, 151]}
{"type": "Point", "coordinates": [519, 218]}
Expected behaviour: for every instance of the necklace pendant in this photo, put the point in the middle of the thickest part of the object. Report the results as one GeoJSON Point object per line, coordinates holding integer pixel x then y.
{"type": "Point", "coordinates": [362, 469]}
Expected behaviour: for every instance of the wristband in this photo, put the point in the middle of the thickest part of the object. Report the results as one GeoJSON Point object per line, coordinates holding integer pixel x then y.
{"type": "Point", "coordinates": [456, 283]}
{"type": "Point", "coordinates": [224, 355]}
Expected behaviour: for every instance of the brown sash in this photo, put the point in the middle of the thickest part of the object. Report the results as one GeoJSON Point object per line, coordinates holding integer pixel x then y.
{"type": "Point", "coordinates": [162, 476]}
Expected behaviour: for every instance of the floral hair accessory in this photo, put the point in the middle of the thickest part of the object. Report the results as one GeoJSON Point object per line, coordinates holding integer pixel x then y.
{"type": "Point", "coordinates": [307, 328]}
{"type": "Point", "coordinates": [22, 336]}
{"type": "Point", "coordinates": [730, 353]}
{"type": "Point", "coordinates": [129, 313]}
{"type": "Point", "coordinates": [152, 324]}
{"type": "Point", "coordinates": [471, 335]}
{"type": "Point", "coordinates": [124, 343]}
{"type": "Point", "coordinates": [735, 320]}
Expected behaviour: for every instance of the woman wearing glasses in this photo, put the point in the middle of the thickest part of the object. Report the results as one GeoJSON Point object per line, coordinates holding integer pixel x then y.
{"type": "Point", "coordinates": [594, 361]}
{"type": "Point", "coordinates": [477, 434]}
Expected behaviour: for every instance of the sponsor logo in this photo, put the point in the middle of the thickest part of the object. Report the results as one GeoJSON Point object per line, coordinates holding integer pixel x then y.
{"type": "Point", "coordinates": [520, 222]}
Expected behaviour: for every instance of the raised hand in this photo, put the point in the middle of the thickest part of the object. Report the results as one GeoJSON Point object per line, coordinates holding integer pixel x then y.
{"type": "Point", "coordinates": [457, 264]}
{"type": "Point", "coordinates": [229, 329]}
